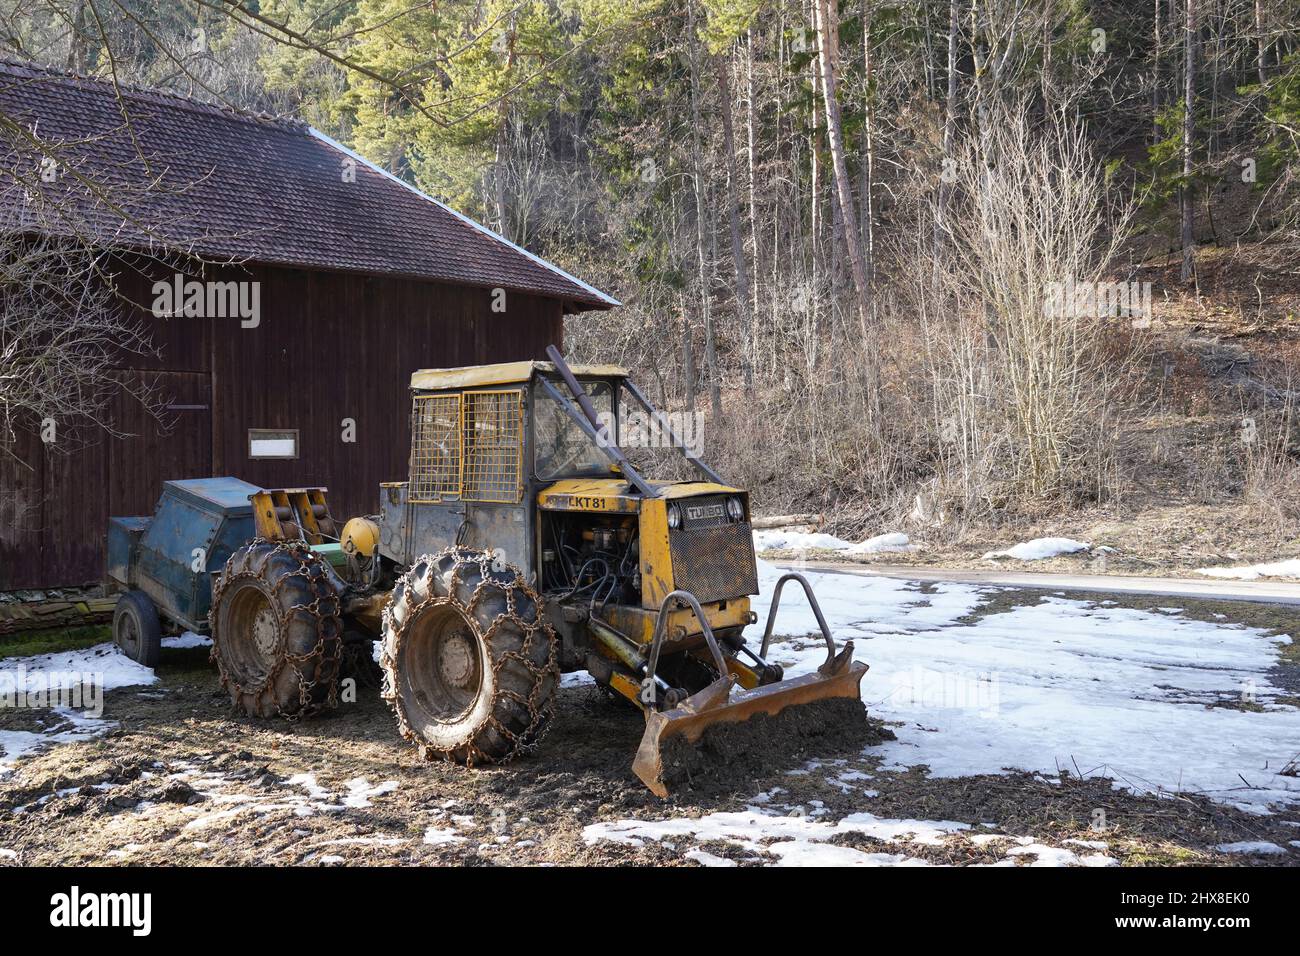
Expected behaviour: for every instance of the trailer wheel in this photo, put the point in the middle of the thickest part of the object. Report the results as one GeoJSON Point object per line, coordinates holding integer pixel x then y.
{"type": "Point", "coordinates": [276, 630]}
{"type": "Point", "coordinates": [469, 663]}
{"type": "Point", "coordinates": [137, 631]}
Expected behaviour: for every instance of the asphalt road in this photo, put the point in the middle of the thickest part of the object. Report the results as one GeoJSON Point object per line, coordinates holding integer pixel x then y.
{"type": "Point", "coordinates": [1214, 589]}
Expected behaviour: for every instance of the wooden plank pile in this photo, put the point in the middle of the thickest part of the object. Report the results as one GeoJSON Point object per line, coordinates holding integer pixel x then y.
{"type": "Point", "coordinates": [47, 615]}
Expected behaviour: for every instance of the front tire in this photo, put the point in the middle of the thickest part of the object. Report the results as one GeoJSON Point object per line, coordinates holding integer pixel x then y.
{"type": "Point", "coordinates": [469, 663]}
{"type": "Point", "coordinates": [276, 630]}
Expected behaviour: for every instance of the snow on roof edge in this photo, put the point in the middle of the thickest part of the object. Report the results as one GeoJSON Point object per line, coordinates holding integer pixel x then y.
{"type": "Point", "coordinates": [607, 299]}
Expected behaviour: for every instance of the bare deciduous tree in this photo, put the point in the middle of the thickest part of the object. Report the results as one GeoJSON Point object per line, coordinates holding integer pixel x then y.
{"type": "Point", "coordinates": [63, 334]}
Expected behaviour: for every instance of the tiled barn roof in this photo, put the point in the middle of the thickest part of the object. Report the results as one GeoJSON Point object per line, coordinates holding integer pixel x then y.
{"type": "Point", "coordinates": [144, 169]}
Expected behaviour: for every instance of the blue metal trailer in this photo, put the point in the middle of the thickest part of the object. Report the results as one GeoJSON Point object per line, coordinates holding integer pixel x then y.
{"type": "Point", "coordinates": [163, 566]}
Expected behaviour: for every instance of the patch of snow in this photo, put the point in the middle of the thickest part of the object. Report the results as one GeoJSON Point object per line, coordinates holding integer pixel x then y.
{"type": "Point", "coordinates": [796, 840]}
{"type": "Point", "coordinates": [75, 727]}
{"type": "Point", "coordinates": [799, 853]}
{"type": "Point", "coordinates": [577, 679]}
{"type": "Point", "coordinates": [364, 841]}
{"type": "Point", "coordinates": [360, 792]}
{"type": "Point", "coordinates": [778, 539]}
{"type": "Point", "coordinates": [208, 819]}
{"type": "Point", "coordinates": [1250, 846]}
{"type": "Point", "coordinates": [1059, 856]}
{"type": "Point", "coordinates": [896, 541]}
{"type": "Point", "coordinates": [188, 639]}
{"type": "Point", "coordinates": [1089, 844]}
{"type": "Point", "coordinates": [1253, 572]}
{"type": "Point", "coordinates": [65, 669]}
{"type": "Point", "coordinates": [441, 836]}
{"type": "Point", "coordinates": [704, 858]}
{"type": "Point", "coordinates": [6, 854]}
{"type": "Point", "coordinates": [1039, 548]}
{"type": "Point", "coordinates": [1057, 684]}
{"type": "Point", "coordinates": [308, 782]}
{"type": "Point", "coordinates": [45, 675]}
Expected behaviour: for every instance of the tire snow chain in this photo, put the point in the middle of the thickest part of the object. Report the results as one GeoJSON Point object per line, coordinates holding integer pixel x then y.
{"type": "Point", "coordinates": [324, 595]}
{"type": "Point", "coordinates": [538, 713]}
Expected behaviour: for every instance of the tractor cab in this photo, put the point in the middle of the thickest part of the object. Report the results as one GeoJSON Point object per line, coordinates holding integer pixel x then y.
{"type": "Point", "coordinates": [523, 459]}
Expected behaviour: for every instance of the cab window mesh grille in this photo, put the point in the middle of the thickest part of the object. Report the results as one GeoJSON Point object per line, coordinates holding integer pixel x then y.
{"type": "Point", "coordinates": [493, 432]}
{"type": "Point", "coordinates": [435, 447]}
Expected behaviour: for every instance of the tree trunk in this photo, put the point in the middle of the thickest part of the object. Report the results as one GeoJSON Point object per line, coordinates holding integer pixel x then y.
{"type": "Point", "coordinates": [949, 125]}
{"type": "Point", "coordinates": [829, 56]}
{"type": "Point", "coordinates": [1155, 77]}
{"type": "Point", "coordinates": [503, 126]}
{"type": "Point", "coordinates": [815, 202]}
{"type": "Point", "coordinates": [733, 207]}
{"type": "Point", "coordinates": [1261, 43]}
{"type": "Point", "coordinates": [701, 207]}
{"type": "Point", "coordinates": [1189, 129]}
{"type": "Point", "coordinates": [867, 224]}
{"type": "Point", "coordinates": [77, 41]}
{"type": "Point", "coordinates": [688, 359]}
{"type": "Point", "coordinates": [751, 134]}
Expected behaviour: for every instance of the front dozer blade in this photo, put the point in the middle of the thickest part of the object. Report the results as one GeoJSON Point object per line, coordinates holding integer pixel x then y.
{"type": "Point", "coordinates": [665, 759]}
{"type": "Point", "coordinates": [720, 726]}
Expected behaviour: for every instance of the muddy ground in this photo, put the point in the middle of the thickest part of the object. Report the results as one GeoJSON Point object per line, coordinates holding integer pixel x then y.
{"type": "Point", "coordinates": [182, 781]}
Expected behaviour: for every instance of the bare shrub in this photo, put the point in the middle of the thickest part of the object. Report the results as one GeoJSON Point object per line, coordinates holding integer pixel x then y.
{"type": "Point", "coordinates": [1266, 452]}
{"type": "Point", "coordinates": [1027, 394]}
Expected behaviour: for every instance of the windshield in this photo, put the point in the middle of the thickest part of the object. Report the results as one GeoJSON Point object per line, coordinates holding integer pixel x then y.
{"type": "Point", "coordinates": [560, 447]}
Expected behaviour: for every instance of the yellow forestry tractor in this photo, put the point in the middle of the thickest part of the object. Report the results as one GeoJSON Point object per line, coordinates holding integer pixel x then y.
{"type": "Point", "coordinates": [524, 544]}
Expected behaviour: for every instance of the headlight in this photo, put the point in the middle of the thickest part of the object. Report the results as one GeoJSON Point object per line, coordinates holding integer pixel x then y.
{"type": "Point", "coordinates": [674, 517]}
{"type": "Point", "coordinates": [735, 510]}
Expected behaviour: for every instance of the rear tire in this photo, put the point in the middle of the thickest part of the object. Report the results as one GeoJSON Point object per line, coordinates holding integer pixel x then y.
{"type": "Point", "coordinates": [137, 631]}
{"type": "Point", "coordinates": [276, 630]}
{"type": "Point", "coordinates": [469, 663]}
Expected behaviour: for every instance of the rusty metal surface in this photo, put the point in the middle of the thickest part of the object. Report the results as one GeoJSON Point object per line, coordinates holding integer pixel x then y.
{"type": "Point", "coordinates": [838, 676]}
{"type": "Point", "coordinates": [717, 704]}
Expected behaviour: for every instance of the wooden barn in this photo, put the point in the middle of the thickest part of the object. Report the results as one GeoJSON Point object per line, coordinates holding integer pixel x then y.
{"type": "Point", "coordinates": [356, 279]}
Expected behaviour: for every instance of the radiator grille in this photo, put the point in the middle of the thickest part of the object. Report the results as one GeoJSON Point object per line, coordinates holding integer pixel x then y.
{"type": "Point", "coordinates": [714, 564]}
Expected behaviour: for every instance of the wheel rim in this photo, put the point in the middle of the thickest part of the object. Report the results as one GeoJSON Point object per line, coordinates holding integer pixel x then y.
{"type": "Point", "coordinates": [445, 672]}
{"type": "Point", "coordinates": [128, 634]}
{"type": "Point", "coordinates": [251, 637]}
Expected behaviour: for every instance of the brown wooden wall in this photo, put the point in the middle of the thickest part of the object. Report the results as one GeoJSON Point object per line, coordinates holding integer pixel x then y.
{"type": "Point", "coordinates": [329, 346]}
